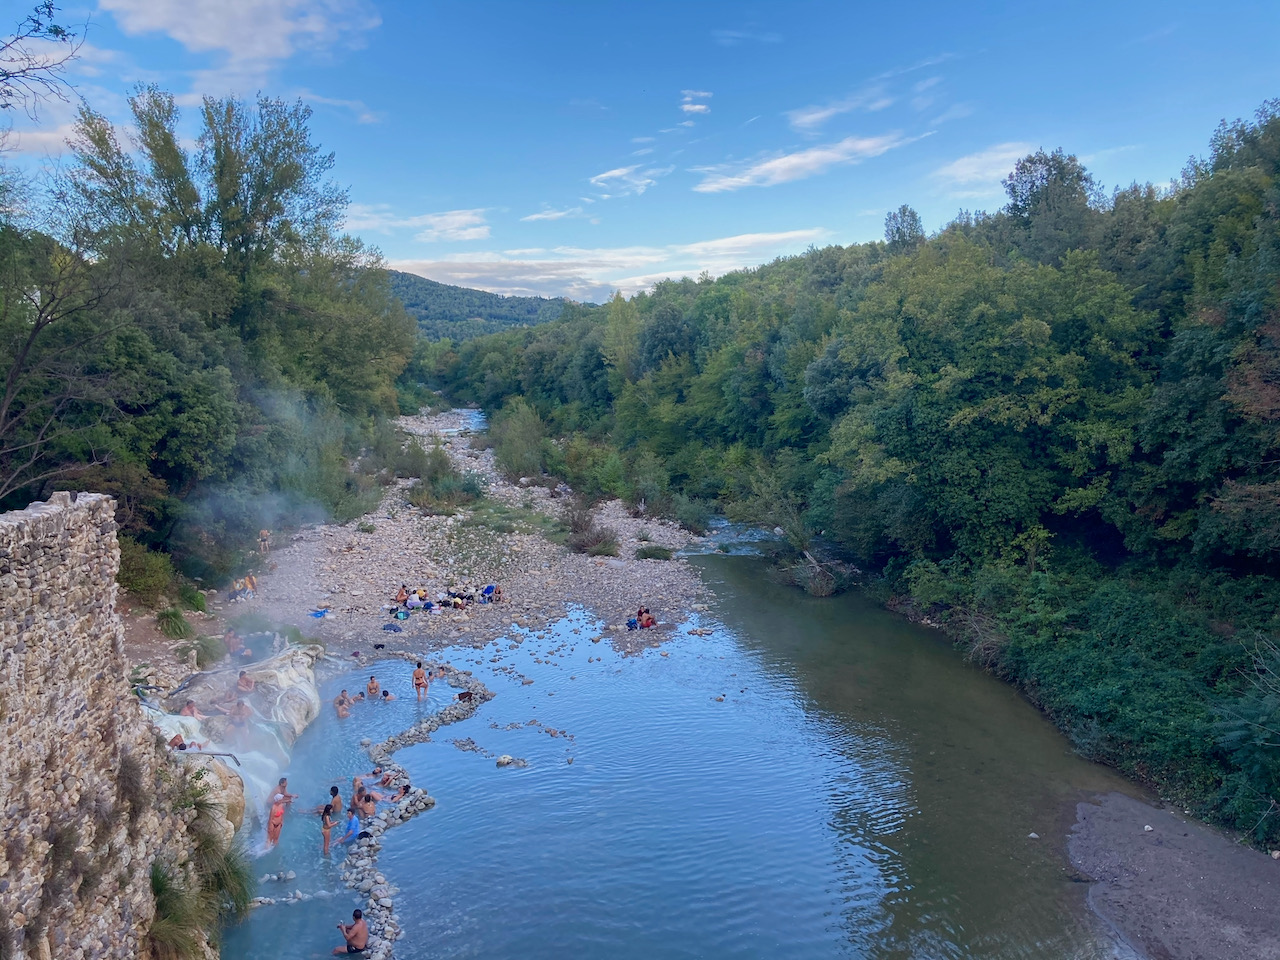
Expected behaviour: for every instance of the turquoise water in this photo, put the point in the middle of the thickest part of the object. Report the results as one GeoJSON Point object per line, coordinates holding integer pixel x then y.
{"type": "Point", "coordinates": [858, 792]}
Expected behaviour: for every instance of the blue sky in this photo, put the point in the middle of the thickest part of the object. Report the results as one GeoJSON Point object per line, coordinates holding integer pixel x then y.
{"type": "Point", "coordinates": [578, 148]}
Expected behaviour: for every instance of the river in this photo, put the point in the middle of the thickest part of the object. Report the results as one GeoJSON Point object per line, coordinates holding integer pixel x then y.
{"type": "Point", "coordinates": [859, 791]}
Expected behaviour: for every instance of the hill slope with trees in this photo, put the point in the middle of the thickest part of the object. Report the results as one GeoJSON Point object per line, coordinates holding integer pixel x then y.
{"type": "Point", "coordinates": [461, 313]}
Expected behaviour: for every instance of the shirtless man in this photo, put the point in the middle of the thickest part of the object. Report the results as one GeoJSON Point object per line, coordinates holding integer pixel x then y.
{"type": "Point", "coordinates": [239, 712]}
{"type": "Point", "coordinates": [420, 681]}
{"type": "Point", "coordinates": [367, 805]}
{"type": "Point", "coordinates": [335, 801]}
{"type": "Point", "coordinates": [189, 709]}
{"type": "Point", "coordinates": [387, 696]}
{"type": "Point", "coordinates": [283, 789]}
{"type": "Point", "coordinates": [245, 683]}
{"type": "Point", "coordinates": [373, 688]}
{"type": "Point", "coordinates": [355, 933]}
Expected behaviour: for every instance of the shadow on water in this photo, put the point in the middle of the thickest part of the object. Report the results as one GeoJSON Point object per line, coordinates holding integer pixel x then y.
{"type": "Point", "coordinates": [859, 791]}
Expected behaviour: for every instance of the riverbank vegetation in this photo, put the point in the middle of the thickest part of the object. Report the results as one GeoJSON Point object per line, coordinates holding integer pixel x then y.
{"type": "Point", "coordinates": [189, 330]}
{"type": "Point", "coordinates": [1055, 427]}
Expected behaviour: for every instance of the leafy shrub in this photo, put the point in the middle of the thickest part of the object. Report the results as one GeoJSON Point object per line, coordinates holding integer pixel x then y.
{"type": "Point", "coordinates": [147, 575]}
{"type": "Point", "coordinates": [442, 488]}
{"type": "Point", "coordinates": [605, 546]}
{"type": "Point", "coordinates": [517, 434]}
{"type": "Point", "coordinates": [692, 514]}
{"type": "Point", "coordinates": [585, 536]}
{"type": "Point", "coordinates": [366, 527]}
{"type": "Point", "coordinates": [413, 460]}
{"type": "Point", "coordinates": [173, 624]}
{"type": "Point", "coordinates": [653, 552]}
{"type": "Point", "coordinates": [191, 598]}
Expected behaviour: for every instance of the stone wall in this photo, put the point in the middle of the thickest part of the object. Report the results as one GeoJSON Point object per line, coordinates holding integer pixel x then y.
{"type": "Point", "coordinates": [79, 765]}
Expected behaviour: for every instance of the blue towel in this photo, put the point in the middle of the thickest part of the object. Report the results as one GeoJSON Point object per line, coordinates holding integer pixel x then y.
{"type": "Point", "coordinates": [318, 613]}
{"type": "Point", "coordinates": [392, 628]}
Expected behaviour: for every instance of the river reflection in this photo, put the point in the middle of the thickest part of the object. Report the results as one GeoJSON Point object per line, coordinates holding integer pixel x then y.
{"type": "Point", "coordinates": [859, 791]}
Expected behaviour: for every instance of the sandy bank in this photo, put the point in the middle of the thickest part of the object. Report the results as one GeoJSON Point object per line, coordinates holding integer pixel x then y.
{"type": "Point", "coordinates": [1179, 891]}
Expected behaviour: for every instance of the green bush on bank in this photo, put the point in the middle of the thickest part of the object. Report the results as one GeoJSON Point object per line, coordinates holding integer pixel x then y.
{"type": "Point", "coordinates": [146, 574]}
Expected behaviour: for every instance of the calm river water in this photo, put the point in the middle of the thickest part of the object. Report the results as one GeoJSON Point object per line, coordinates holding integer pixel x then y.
{"type": "Point", "coordinates": [859, 792]}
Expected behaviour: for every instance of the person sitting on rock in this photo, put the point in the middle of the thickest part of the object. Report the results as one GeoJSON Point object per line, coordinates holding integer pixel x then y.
{"type": "Point", "coordinates": [368, 805]}
{"type": "Point", "coordinates": [355, 933]}
{"type": "Point", "coordinates": [239, 712]}
{"type": "Point", "coordinates": [177, 743]}
{"type": "Point", "coordinates": [372, 687]}
{"type": "Point", "coordinates": [403, 593]}
{"type": "Point", "coordinates": [646, 619]}
{"type": "Point", "coordinates": [233, 642]}
{"type": "Point", "coordinates": [189, 709]}
{"type": "Point", "coordinates": [401, 793]}
{"type": "Point", "coordinates": [245, 683]}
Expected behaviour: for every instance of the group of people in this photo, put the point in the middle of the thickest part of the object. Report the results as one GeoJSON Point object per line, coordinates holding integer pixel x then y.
{"type": "Point", "coordinates": [456, 598]}
{"type": "Point", "coordinates": [643, 620]}
{"type": "Point", "coordinates": [375, 692]}
{"type": "Point", "coordinates": [243, 588]}
{"type": "Point", "coordinates": [364, 803]}
{"type": "Point", "coordinates": [233, 704]}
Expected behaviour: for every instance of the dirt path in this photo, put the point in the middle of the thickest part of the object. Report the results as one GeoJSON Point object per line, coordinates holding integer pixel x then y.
{"type": "Point", "coordinates": [1179, 890]}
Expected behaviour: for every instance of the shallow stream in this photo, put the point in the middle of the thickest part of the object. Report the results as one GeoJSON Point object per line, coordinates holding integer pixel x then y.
{"type": "Point", "coordinates": [859, 791]}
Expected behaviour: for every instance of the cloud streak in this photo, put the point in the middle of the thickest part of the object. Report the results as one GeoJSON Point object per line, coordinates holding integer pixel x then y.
{"type": "Point", "coordinates": [979, 174]}
{"type": "Point", "coordinates": [431, 227]}
{"type": "Point", "coordinates": [553, 215]}
{"type": "Point", "coordinates": [799, 165]}
{"type": "Point", "coordinates": [627, 181]}
{"type": "Point", "coordinates": [594, 273]}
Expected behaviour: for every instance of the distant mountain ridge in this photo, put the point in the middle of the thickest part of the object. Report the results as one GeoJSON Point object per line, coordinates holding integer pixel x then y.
{"type": "Point", "coordinates": [461, 313]}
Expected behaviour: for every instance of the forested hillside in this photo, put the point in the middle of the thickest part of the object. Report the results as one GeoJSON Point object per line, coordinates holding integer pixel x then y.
{"type": "Point", "coordinates": [188, 331]}
{"type": "Point", "coordinates": [1055, 426]}
{"type": "Point", "coordinates": [460, 313]}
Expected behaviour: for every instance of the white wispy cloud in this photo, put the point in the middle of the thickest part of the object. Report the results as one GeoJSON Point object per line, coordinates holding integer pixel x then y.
{"type": "Point", "coordinates": [594, 273]}
{"type": "Point", "coordinates": [731, 38]}
{"type": "Point", "coordinates": [691, 102]}
{"type": "Point", "coordinates": [627, 181]}
{"type": "Point", "coordinates": [798, 165]}
{"type": "Point", "coordinates": [809, 119]}
{"type": "Point", "coordinates": [248, 37]}
{"type": "Point", "coordinates": [979, 174]}
{"type": "Point", "coordinates": [553, 214]}
{"type": "Point", "coordinates": [447, 225]}
{"type": "Point", "coordinates": [358, 108]}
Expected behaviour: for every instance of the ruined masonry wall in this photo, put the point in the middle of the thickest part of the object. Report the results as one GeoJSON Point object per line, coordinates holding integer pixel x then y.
{"type": "Point", "coordinates": [79, 838]}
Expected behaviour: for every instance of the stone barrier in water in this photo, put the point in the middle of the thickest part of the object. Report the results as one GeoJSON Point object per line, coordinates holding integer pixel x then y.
{"type": "Point", "coordinates": [360, 869]}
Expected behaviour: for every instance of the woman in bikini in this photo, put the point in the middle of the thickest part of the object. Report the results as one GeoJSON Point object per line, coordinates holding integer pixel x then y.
{"type": "Point", "coordinates": [276, 820]}
{"type": "Point", "coordinates": [326, 825]}
{"type": "Point", "coordinates": [420, 681]}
